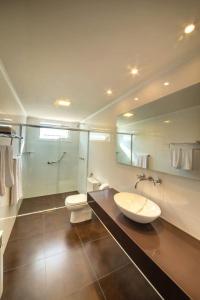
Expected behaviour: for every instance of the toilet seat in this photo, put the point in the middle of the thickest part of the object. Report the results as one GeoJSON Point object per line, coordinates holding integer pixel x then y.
{"type": "Point", "coordinates": [76, 200]}
{"type": "Point", "coordinates": [78, 207]}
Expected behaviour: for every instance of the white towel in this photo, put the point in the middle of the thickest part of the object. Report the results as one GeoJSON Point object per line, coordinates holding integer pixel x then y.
{"type": "Point", "coordinates": [187, 157]}
{"type": "Point", "coordinates": [196, 159]}
{"type": "Point", "coordinates": [16, 190]}
{"type": "Point", "coordinates": [9, 177]}
{"type": "Point", "coordinates": [140, 160]}
{"type": "Point", "coordinates": [175, 154]}
{"type": "Point", "coordinates": [2, 169]}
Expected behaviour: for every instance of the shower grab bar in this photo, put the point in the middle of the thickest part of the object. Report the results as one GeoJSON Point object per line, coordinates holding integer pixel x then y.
{"type": "Point", "coordinates": [57, 161]}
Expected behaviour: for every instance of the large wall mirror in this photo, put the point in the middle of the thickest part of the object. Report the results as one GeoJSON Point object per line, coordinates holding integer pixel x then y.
{"type": "Point", "coordinates": [163, 135]}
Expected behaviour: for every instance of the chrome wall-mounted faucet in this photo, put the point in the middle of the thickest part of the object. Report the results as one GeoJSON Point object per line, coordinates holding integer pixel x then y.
{"type": "Point", "coordinates": [142, 177]}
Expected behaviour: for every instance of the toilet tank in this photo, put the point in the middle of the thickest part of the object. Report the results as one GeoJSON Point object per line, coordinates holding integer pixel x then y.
{"type": "Point", "coordinates": [92, 184]}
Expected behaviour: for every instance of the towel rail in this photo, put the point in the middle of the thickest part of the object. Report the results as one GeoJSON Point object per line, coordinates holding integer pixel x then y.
{"type": "Point", "coordinates": [11, 136]}
{"type": "Point", "coordinates": [186, 143]}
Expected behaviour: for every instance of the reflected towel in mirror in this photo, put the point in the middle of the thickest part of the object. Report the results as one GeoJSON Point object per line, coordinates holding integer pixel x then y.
{"type": "Point", "coordinates": [140, 160]}
{"type": "Point", "coordinates": [187, 157]}
{"type": "Point", "coordinates": [175, 155]}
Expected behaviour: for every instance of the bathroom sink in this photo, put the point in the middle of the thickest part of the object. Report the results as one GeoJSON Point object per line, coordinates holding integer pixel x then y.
{"type": "Point", "coordinates": [137, 207]}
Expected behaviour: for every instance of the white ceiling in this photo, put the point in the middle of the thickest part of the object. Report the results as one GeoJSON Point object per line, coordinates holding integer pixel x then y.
{"type": "Point", "coordinates": [78, 49]}
{"type": "Point", "coordinates": [179, 77]}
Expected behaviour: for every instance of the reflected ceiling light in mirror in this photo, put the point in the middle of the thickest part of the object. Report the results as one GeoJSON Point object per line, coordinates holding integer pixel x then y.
{"type": "Point", "coordinates": [62, 102]}
{"type": "Point", "coordinates": [128, 115]}
{"type": "Point", "coordinates": [166, 83]}
{"type": "Point", "coordinates": [189, 28]}
{"type": "Point", "coordinates": [109, 92]}
{"type": "Point", "coordinates": [167, 121]}
{"type": "Point", "coordinates": [136, 98]}
{"type": "Point", "coordinates": [134, 71]}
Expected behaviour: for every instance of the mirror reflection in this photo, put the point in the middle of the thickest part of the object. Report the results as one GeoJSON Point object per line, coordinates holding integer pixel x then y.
{"type": "Point", "coordinates": [123, 148]}
{"type": "Point", "coordinates": [165, 134]}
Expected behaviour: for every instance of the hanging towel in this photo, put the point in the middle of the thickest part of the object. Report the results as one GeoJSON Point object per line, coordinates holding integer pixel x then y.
{"type": "Point", "coordinates": [9, 177]}
{"type": "Point", "coordinates": [2, 169]}
{"type": "Point", "coordinates": [187, 157]}
{"type": "Point", "coordinates": [140, 160]}
{"type": "Point", "coordinates": [143, 160]}
{"type": "Point", "coordinates": [175, 154]}
{"type": "Point", "coordinates": [16, 190]}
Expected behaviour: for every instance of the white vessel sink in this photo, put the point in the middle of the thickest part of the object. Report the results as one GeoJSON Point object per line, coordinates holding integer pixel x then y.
{"type": "Point", "coordinates": [137, 207]}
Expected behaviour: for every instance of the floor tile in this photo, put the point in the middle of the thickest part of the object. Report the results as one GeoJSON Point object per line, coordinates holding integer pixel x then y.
{"type": "Point", "coordinates": [91, 230]}
{"type": "Point", "coordinates": [61, 240]}
{"type": "Point", "coordinates": [36, 204]}
{"type": "Point", "coordinates": [23, 251]}
{"type": "Point", "coordinates": [55, 220]}
{"type": "Point", "coordinates": [47, 258]}
{"type": "Point", "coordinates": [44, 202]}
{"type": "Point", "coordinates": [105, 256]}
{"type": "Point", "coordinates": [90, 292]}
{"type": "Point", "coordinates": [25, 283]}
{"type": "Point", "coordinates": [67, 273]}
{"type": "Point", "coordinates": [27, 226]}
{"type": "Point", "coordinates": [127, 284]}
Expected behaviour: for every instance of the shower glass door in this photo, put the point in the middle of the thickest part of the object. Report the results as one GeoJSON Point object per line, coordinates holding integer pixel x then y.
{"type": "Point", "coordinates": [54, 162]}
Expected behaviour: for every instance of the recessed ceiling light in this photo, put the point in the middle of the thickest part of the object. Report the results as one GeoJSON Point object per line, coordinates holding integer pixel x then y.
{"type": "Point", "coordinates": [167, 121]}
{"type": "Point", "coordinates": [136, 98]}
{"type": "Point", "coordinates": [128, 115]}
{"type": "Point", "coordinates": [62, 102]}
{"type": "Point", "coordinates": [189, 28]}
{"type": "Point", "coordinates": [134, 71]}
{"type": "Point", "coordinates": [109, 92]}
{"type": "Point", "coordinates": [166, 83]}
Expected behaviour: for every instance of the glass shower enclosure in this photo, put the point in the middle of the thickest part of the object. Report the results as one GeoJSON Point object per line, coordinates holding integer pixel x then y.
{"type": "Point", "coordinates": [54, 161]}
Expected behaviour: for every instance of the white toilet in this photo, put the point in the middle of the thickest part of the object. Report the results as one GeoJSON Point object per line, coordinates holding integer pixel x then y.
{"type": "Point", "coordinates": [77, 205]}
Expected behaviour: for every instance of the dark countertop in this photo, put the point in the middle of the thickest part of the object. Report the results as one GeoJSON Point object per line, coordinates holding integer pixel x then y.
{"type": "Point", "coordinates": [159, 249]}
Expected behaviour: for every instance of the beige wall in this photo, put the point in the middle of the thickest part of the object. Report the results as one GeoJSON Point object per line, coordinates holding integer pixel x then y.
{"type": "Point", "coordinates": [10, 104]}
{"type": "Point", "coordinates": [178, 197]}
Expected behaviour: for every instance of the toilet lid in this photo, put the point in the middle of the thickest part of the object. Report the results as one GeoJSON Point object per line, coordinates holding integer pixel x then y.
{"type": "Point", "coordinates": [76, 199]}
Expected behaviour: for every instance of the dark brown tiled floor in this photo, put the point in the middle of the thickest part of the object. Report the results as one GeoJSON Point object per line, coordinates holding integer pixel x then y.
{"type": "Point", "coordinates": [89, 231]}
{"type": "Point", "coordinates": [44, 202]}
{"type": "Point", "coordinates": [47, 258]}
{"type": "Point", "coordinates": [127, 283]}
{"type": "Point", "coordinates": [105, 256]}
